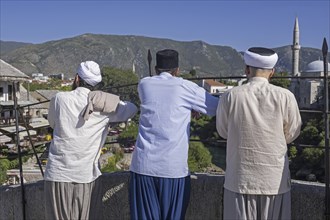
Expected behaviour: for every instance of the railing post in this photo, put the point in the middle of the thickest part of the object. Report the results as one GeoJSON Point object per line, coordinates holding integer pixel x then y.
{"type": "Point", "coordinates": [15, 84]}
{"type": "Point", "coordinates": [149, 62]}
{"type": "Point", "coordinates": [326, 124]}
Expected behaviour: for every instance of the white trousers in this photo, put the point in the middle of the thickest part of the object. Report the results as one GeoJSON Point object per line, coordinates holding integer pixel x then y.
{"type": "Point", "coordinates": [70, 200]}
{"type": "Point", "coordinates": [259, 207]}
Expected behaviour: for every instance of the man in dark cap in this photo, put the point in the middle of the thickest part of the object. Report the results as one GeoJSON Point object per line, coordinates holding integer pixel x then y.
{"type": "Point", "coordinates": [160, 178]}
{"type": "Point", "coordinates": [258, 120]}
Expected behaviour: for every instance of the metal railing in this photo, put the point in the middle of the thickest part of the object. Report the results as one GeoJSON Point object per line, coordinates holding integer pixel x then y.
{"type": "Point", "coordinates": [114, 89]}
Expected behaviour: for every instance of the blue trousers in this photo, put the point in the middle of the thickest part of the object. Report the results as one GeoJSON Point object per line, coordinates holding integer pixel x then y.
{"type": "Point", "coordinates": [158, 198]}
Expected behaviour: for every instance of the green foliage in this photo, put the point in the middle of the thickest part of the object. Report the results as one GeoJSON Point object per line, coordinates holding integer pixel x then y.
{"type": "Point", "coordinates": [129, 134]}
{"type": "Point", "coordinates": [113, 78]}
{"type": "Point", "coordinates": [111, 166]}
{"type": "Point", "coordinates": [112, 161]}
{"type": "Point", "coordinates": [4, 166]}
{"type": "Point", "coordinates": [310, 135]}
{"type": "Point", "coordinates": [313, 157]}
{"type": "Point", "coordinates": [199, 157]}
{"type": "Point", "coordinates": [282, 82]}
{"type": "Point", "coordinates": [193, 72]}
{"type": "Point", "coordinates": [52, 84]}
{"type": "Point", "coordinates": [292, 153]}
{"type": "Point", "coordinates": [35, 86]}
{"type": "Point", "coordinates": [186, 75]}
{"type": "Point", "coordinates": [204, 127]}
{"type": "Point", "coordinates": [229, 83]}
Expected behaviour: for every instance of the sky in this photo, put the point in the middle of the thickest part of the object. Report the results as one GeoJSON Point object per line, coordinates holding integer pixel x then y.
{"type": "Point", "coordinates": [238, 24]}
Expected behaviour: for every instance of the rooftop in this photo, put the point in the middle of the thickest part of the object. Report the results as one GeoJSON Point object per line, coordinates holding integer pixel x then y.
{"type": "Point", "coordinates": [10, 73]}
{"type": "Point", "coordinates": [213, 82]}
{"type": "Point", "coordinates": [315, 66]}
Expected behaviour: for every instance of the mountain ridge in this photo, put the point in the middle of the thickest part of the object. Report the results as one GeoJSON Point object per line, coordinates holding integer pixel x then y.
{"type": "Point", "coordinates": [130, 52]}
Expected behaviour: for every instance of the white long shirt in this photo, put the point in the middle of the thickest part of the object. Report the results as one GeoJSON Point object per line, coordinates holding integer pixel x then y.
{"type": "Point", "coordinates": [164, 128]}
{"type": "Point", "coordinates": [258, 120]}
{"type": "Point", "coordinates": [75, 148]}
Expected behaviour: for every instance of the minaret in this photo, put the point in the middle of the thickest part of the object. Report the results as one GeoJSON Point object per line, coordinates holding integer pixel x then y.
{"type": "Point", "coordinates": [133, 67]}
{"type": "Point", "coordinates": [295, 50]}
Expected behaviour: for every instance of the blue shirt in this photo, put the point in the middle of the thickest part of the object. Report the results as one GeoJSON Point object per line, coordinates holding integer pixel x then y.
{"type": "Point", "coordinates": [162, 144]}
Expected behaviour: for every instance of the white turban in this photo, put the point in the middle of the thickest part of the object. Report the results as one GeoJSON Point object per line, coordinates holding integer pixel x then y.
{"type": "Point", "coordinates": [90, 72]}
{"type": "Point", "coordinates": [260, 57]}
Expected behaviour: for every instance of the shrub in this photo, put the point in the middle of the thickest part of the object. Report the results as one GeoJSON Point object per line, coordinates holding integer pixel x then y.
{"type": "Point", "coordinates": [112, 161]}
{"type": "Point", "coordinates": [313, 157]}
{"type": "Point", "coordinates": [4, 166]}
{"type": "Point", "coordinates": [199, 157]}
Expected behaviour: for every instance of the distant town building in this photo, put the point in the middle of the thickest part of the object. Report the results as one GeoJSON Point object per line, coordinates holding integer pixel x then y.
{"type": "Point", "coordinates": [59, 76]}
{"type": "Point", "coordinates": [307, 91]}
{"type": "Point", "coordinates": [41, 96]}
{"type": "Point", "coordinates": [9, 76]}
{"type": "Point", "coordinates": [215, 87]}
{"type": "Point", "coordinates": [39, 77]}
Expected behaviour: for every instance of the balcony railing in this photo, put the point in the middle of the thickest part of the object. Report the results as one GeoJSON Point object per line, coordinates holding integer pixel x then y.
{"type": "Point", "coordinates": [324, 112]}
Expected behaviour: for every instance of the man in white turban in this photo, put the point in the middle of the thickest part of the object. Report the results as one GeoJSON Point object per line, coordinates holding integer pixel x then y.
{"type": "Point", "coordinates": [258, 120]}
{"type": "Point", "coordinates": [71, 177]}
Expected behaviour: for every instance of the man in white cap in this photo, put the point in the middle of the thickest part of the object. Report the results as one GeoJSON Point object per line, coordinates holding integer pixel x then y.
{"type": "Point", "coordinates": [72, 167]}
{"type": "Point", "coordinates": [258, 120]}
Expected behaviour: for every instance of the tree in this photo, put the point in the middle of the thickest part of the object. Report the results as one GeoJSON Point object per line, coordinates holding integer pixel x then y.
{"type": "Point", "coordinates": [4, 166]}
{"type": "Point", "coordinates": [128, 136]}
{"type": "Point", "coordinates": [115, 80]}
{"type": "Point", "coordinates": [313, 158]}
{"type": "Point", "coordinates": [193, 72]}
{"type": "Point", "coordinates": [199, 157]}
{"type": "Point", "coordinates": [112, 161]}
{"type": "Point", "coordinates": [282, 82]}
{"type": "Point", "coordinates": [310, 135]}
{"type": "Point", "coordinates": [204, 127]}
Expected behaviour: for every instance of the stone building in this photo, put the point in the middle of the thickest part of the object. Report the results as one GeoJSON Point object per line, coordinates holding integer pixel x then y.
{"type": "Point", "coordinates": [306, 90]}
{"type": "Point", "coordinates": [10, 77]}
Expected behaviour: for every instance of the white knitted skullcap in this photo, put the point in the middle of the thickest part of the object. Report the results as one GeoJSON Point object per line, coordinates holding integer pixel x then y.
{"type": "Point", "coordinates": [90, 72]}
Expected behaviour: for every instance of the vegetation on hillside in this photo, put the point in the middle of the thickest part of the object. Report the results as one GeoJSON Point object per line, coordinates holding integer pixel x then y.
{"type": "Point", "coordinates": [122, 52]}
{"type": "Point", "coordinates": [52, 84]}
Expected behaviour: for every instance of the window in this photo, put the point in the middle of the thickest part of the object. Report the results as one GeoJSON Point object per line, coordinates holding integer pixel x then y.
{"type": "Point", "coordinates": [1, 91]}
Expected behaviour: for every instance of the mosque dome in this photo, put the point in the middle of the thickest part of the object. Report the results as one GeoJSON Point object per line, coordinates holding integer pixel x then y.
{"type": "Point", "coordinates": [315, 66]}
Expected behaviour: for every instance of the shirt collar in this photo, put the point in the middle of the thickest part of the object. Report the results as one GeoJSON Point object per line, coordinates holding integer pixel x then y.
{"type": "Point", "coordinates": [258, 79]}
{"type": "Point", "coordinates": [166, 74]}
{"type": "Point", "coordinates": [82, 90]}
